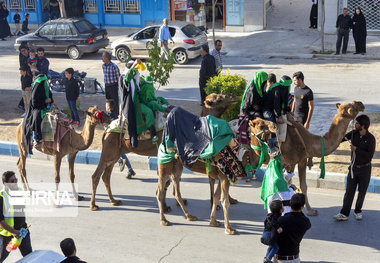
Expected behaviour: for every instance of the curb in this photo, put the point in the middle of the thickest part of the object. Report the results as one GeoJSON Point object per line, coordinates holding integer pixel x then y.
{"type": "Point", "coordinates": [333, 181]}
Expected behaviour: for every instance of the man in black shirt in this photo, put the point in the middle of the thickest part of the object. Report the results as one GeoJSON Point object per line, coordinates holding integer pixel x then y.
{"type": "Point", "coordinates": [26, 86]}
{"type": "Point", "coordinates": [303, 104]}
{"type": "Point", "coordinates": [343, 25]}
{"type": "Point", "coordinates": [54, 9]}
{"type": "Point", "coordinates": [11, 224]}
{"type": "Point", "coordinates": [208, 70]}
{"type": "Point", "coordinates": [363, 145]}
{"type": "Point", "coordinates": [293, 227]}
{"type": "Point", "coordinates": [69, 250]}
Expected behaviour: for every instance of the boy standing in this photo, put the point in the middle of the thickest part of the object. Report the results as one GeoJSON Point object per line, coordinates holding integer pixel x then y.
{"type": "Point", "coordinates": [25, 23]}
{"type": "Point", "coordinates": [72, 94]}
{"type": "Point", "coordinates": [17, 19]}
{"type": "Point", "coordinates": [271, 230]}
{"type": "Point", "coordinates": [26, 86]}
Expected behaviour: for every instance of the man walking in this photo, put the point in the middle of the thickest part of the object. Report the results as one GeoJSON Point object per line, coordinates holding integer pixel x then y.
{"type": "Point", "coordinates": [12, 218]}
{"type": "Point", "coordinates": [111, 79]}
{"type": "Point", "coordinates": [343, 25]}
{"type": "Point", "coordinates": [314, 14]}
{"type": "Point", "coordinates": [363, 145]}
{"type": "Point", "coordinates": [164, 38]}
{"type": "Point", "coordinates": [208, 70]}
{"type": "Point", "coordinates": [217, 55]}
{"type": "Point", "coordinates": [293, 227]}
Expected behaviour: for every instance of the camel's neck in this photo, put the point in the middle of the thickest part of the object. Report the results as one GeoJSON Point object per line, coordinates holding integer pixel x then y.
{"type": "Point", "coordinates": [87, 136]}
{"type": "Point", "coordinates": [216, 112]}
{"type": "Point", "coordinates": [336, 133]}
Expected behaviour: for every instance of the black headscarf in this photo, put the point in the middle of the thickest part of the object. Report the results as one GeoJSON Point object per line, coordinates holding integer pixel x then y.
{"type": "Point", "coordinates": [359, 20]}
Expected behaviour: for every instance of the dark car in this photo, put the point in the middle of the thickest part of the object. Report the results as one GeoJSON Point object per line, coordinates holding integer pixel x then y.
{"type": "Point", "coordinates": [74, 36]}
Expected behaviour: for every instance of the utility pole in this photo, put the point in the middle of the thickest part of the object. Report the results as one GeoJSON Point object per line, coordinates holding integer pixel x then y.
{"type": "Point", "coordinates": [213, 20]}
{"type": "Point", "coordinates": [323, 26]}
{"type": "Point", "coordinates": [62, 8]}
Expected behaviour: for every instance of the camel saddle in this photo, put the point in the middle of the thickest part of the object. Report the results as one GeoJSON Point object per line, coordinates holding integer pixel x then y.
{"type": "Point", "coordinates": [160, 120]}
{"type": "Point", "coordinates": [54, 127]}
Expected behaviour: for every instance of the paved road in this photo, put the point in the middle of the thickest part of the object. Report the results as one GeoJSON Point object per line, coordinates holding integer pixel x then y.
{"type": "Point", "coordinates": [132, 233]}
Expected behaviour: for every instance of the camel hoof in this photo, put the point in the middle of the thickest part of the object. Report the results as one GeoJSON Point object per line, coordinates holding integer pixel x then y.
{"type": "Point", "coordinates": [79, 198]}
{"type": "Point", "coordinates": [116, 203]}
{"type": "Point", "coordinates": [312, 212]}
{"type": "Point", "coordinates": [184, 202]}
{"type": "Point", "coordinates": [248, 180]}
{"type": "Point", "coordinates": [214, 223]}
{"type": "Point", "coordinates": [94, 208]}
{"type": "Point", "coordinates": [167, 209]}
{"type": "Point", "coordinates": [191, 218]}
{"type": "Point", "coordinates": [233, 201]}
{"type": "Point", "coordinates": [218, 207]}
{"type": "Point", "coordinates": [165, 222]}
{"type": "Point", "coordinates": [229, 231]}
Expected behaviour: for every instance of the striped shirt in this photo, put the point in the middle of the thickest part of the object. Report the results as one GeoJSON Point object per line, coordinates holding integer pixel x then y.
{"type": "Point", "coordinates": [218, 59]}
{"type": "Point", "coordinates": [111, 73]}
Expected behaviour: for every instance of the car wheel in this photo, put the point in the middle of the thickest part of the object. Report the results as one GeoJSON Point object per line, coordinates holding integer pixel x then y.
{"type": "Point", "coordinates": [122, 53]}
{"type": "Point", "coordinates": [180, 56]}
{"type": "Point", "coordinates": [74, 52]}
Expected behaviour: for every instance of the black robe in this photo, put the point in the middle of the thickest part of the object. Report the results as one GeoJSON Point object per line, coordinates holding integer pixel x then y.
{"type": "Point", "coordinates": [128, 109]}
{"type": "Point", "coordinates": [33, 119]}
{"type": "Point", "coordinates": [253, 103]}
{"type": "Point", "coordinates": [359, 31]}
{"type": "Point", "coordinates": [208, 70]}
{"type": "Point", "coordinates": [5, 30]}
{"type": "Point", "coordinates": [314, 16]}
{"type": "Point", "coordinates": [276, 100]}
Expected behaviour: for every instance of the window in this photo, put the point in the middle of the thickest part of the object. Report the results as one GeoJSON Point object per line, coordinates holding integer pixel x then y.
{"type": "Point", "coordinates": [112, 6]}
{"type": "Point", "coordinates": [47, 30]}
{"type": "Point", "coordinates": [15, 5]}
{"type": "Point", "coordinates": [84, 26]}
{"type": "Point", "coordinates": [131, 6]}
{"type": "Point", "coordinates": [30, 5]}
{"type": "Point", "coordinates": [63, 30]}
{"type": "Point", "coordinates": [90, 6]}
{"type": "Point", "coordinates": [148, 33]}
{"type": "Point", "coordinates": [191, 31]}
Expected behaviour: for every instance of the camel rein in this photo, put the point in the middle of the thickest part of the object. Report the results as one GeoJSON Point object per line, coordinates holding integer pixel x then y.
{"type": "Point", "coordinates": [263, 149]}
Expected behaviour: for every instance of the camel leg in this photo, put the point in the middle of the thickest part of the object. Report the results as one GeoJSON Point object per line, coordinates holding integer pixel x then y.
{"type": "Point", "coordinates": [176, 176]}
{"type": "Point", "coordinates": [212, 185]}
{"type": "Point", "coordinates": [215, 206]}
{"type": "Point", "coordinates": [225, 184]}
{"type": "Point", "coordinates": [72, 176]}
{"type": "Point", "coordinates": [302, 177]}
{"type": "Point", "coordinates": [21, 168]}
{"type": "Point", "coordinates": [163, 183]}
{"type": "Point", "coordinates": [57, 177]}
{"type": "Point", "coordinates": [95, 182]}
{"type": "Point", "coordinates": [107, 182]}
{"type": "Point", "coordinates": [167, 209]}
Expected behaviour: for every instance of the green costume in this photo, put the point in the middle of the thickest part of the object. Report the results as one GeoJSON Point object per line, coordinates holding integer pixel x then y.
{"type": "Point", "coordinates": [147, 95]}
{"type": "Point", "coordinates": [144, 115]}
{"type": "Point", "coordinates": [259, 79]}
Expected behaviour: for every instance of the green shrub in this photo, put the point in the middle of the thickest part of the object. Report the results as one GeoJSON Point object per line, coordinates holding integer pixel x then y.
{"type": "Point", "coordinates": [227, 83]}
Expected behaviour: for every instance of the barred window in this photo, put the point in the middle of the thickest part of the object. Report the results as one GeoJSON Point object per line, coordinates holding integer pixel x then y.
{"type": "Point", "coordinates": [30, 5]}
{"type": "Point", "coordinates": [112, 6]}
{"type": "Point", "coordinates": [131, 6]}
{"type": "Point", "coordinates": [370, 9]}
{"type": "Point", "coordinates": [15, 5]}
{"type": "Point", "coordinates": [91, 6]}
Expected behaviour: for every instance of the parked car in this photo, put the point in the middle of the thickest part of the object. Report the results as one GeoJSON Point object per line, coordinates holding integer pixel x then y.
{"type": "Point", "coordinates": [74, 36]}
{"type": "Point", "coordinates": [188, 40]}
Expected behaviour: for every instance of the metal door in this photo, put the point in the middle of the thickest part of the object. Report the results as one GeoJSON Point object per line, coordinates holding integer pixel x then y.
{"type": "Point", "coordinates": [370, 9]}
{"type": "Point", "coordinates": [235, 12]}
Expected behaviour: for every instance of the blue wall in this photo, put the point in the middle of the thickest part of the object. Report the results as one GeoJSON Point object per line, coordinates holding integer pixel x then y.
{"type": "Point", "coordinates": [150, 11]}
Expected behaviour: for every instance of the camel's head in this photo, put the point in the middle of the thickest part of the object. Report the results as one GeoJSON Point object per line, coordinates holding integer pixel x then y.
{"type": "Point", "coordinates": [96, 116]}
{"type": "Point", "coordinates": [261, 129]}
{"type": "Point", "coordinates": [220, 101]}
{"type": "Point", "coordinates": [350, 110]}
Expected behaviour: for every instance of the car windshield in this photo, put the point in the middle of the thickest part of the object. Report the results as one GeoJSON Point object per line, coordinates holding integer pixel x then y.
{"type": "Point", "coordinates": [84, 26]}
{"type": "Point", "coordinates": [191, 31]}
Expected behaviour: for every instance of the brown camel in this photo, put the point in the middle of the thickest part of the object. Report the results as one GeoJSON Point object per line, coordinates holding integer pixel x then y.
{"type": "Point", "coordinates": [71, 143]}
{"type": "Point", "coordinates": [114, 145]}
{"type": "Point", "coordinates": [300, 144]}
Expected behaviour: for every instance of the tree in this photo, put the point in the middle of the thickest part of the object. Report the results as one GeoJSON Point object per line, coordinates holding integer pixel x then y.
{"type": "Point", "coordinates": [158, 66]}
{"type": "Point", "coordinates": [323, 26]}
{"type": "Point", "coordinates": [213, 20]}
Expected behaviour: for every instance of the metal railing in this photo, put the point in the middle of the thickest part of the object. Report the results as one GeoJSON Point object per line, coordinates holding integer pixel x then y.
{"type": "Point", "coordinates": [91, 6]}
{"type": "Point", "coordinates": [370, 9]}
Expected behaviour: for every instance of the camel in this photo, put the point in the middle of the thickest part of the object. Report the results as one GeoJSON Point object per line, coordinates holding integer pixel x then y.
{"type": "Point", "coordinates": [300, 144]}
{"type": "Point", "coordinates": [114, 145]}
{"type": "Point", "coordinates": [70, 144]}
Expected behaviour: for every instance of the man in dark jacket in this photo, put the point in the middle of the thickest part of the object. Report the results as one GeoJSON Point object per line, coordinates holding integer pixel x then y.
{"type": "Point", "coordinates": [42, 62]}
{"type": "Point", "coordinates": [363, 145]}
{"type": "Point", "coordinates": [25, 24]}
{"type": "Point", "coordinates": [208, 70]}
{"type": "Point", "coordinates": [40, 103]}
{"type": "Point", "coordinates": [293, 226]}
{"type": "Point", "coordinates": [70, 251]}
{"type": "Point", "coordinates": [343, 26]}
{"type": "Point", "coordinates": [72, 94]}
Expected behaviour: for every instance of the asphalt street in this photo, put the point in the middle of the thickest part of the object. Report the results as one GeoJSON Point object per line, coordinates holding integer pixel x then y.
{"type": "Point", "coordinates": [132, 231]}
